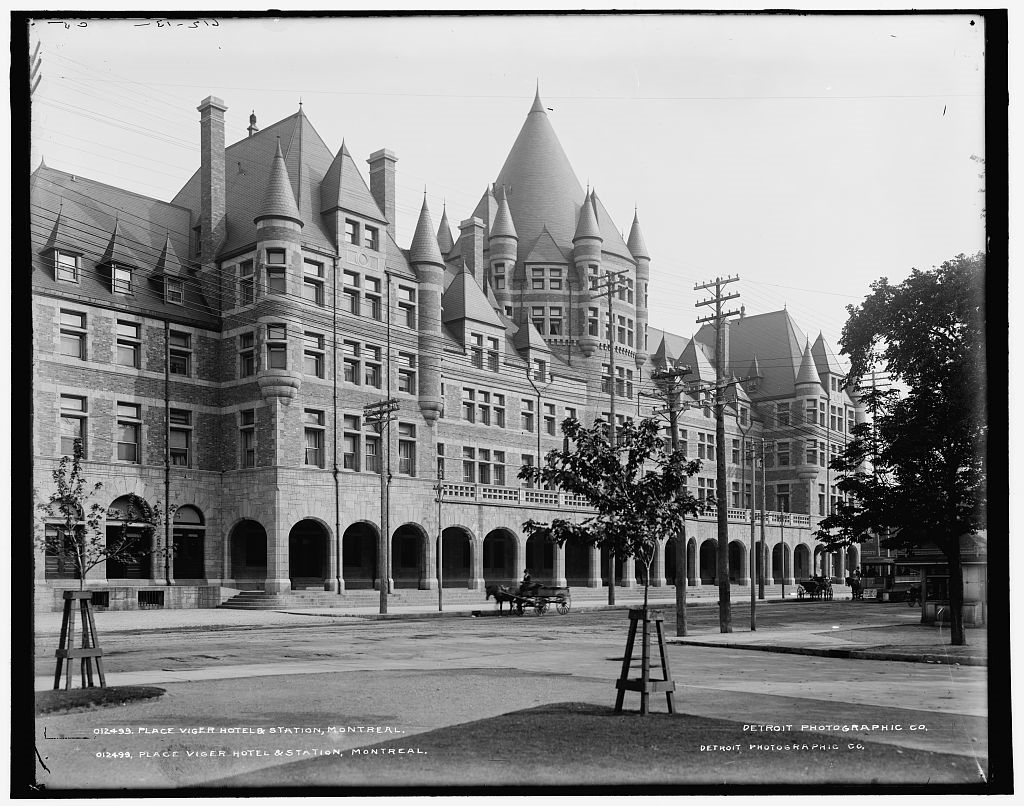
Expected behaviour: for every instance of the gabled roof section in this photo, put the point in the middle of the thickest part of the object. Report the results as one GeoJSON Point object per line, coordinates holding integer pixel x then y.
{"type": "Point", "coordinates": [424, 247]}
{"type": "Point", "coordinates": [636, 244]}
{"type": "Point", "coordinates": [544, 250]}
{"type": "Point", "coordinates": [493, 302]}
{"type": "Point", "coordinates": [670, 347]}
{"type": "Point", "coordinates": [486, 209]}
{"type": "Point", "coordinates": [464, 299]}
{"type": "Point", "coordinates": [807, 373]}
{"type": "Point", "coordinates": [736, 391]}
{"type": "Point", "coordinates": [694, 357]}
{"type": "Point", "coordinates": [503, 226]}
{"type": "Point", "coordinates": [444, 233]}
{"type": "Point", "coordinates": [824, 359]}
{"type": "Point", "coordinates": [777, 341]}
{"type": "Point", "coordinates": [168, 262]}
{"type": "Point", "coordinates": [587, 226]}
{"type": "Point", "coordinates": [62, 236]}
{"type": "Point", "coordinates": [343, 188]}
{"type": "Point", "coordinates": [527, 338]}
{"type": "Point", "coordinates": [543, 189]}
{"type": "Point", "coordinates": [119, 248]}
{"type": "Point", "coordinates": [278, 198]}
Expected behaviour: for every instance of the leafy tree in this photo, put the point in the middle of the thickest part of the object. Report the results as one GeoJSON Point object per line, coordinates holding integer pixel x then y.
{"type": "Point", "coordinates": [636, 485]}
{"type": "Point", "coordinates": [918, 470]}
{"type": "Point", "coordinates": [77, 535]}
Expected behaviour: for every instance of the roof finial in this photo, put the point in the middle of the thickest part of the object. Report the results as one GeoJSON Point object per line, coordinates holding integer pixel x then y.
{"type": "Point", "coordinates": [300, 103]}
{"type": "Point", "coordinates": [538, 106]}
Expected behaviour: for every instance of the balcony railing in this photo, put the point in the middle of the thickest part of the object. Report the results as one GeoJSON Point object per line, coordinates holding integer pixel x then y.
{"type": "Point", "coordinates": [458, 492]}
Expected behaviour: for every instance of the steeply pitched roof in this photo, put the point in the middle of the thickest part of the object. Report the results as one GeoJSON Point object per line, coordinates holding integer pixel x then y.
{"type": "Point", "coordinates": [543, 189]}
{"type": "Point", "coordinates": [824, 359]}
{"type": "Point", "coordinates": [543, 250]}
{"type": "Point", "coordinates": [694, 357]}
{"type": "Point", "coordinates": [444, 233]}
{"type": "Point", "coordinates": [62, 235]}
{"type": "Point", "coordinates": [527, 338]}
{"type": "Point", "coordinates": [424, 247]}
{"type": "Point", "coordinates": [168, 262]}
{"type": "Point", "coordinates": [776, 341]}
{"type": "Point", "coordinates": [343, 187]}
{"type": "Point", "coordinates": [119, 247]}
{"type": "Point", "coordinates": [587, 226]}
{"type": "Point", "coordinates": [278, 198]}
{"type": "Point", "coordinates": [503, 226]}
{"type": "Point", "coordinates": [637, 245]}
{"type": "Point", "coordinates": [464, 299]}
{"type": "Point", "coordinates": [807, 372]}
{"type": "Point", "coordinates": [668, 348]}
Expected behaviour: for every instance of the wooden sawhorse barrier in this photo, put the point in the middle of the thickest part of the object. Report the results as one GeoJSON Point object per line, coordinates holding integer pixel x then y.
{"type": "Point", "coordinates": [644, 684]}
{"type": "Point", "coordinates": [89, 650]}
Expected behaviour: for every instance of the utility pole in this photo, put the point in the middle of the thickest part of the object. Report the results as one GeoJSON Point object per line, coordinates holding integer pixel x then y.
{"type": "Point", "coordinates": [673, 385]}
{"type": "Point", "coordinates": [743, 491]}
{"type": "Point", "coordinates": [612, 282]}
{"type": "Point", "coordinates": [380, 415]}
{"type": "Point", "coordinates": [439, 489]}
{"type": "Point", "coordinates": [721, 360]}
{"type": "Point", "coordinates": [764, 497]}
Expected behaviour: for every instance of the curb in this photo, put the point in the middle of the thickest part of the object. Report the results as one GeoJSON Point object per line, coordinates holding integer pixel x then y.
{"type": "Point", "coordinates": [852, 654]}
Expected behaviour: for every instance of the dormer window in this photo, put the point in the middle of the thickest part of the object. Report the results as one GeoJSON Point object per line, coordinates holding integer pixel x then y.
{"type": "Point", "coordinates": [66, 266]}
{"type": "Point", "coordinates": [122, 280]}
{"type": "Point", "coordinates": [174, 292]}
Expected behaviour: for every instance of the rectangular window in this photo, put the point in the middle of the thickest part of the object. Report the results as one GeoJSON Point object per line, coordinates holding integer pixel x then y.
{"type": "Point", "coordinates": [812, 451]}
{"type": "Point", "coordinates": [277, 282]}
{"type": "Point", "coordinates": [528, 462]}
{"type": "Point", "coordinates": [129, 345]}
{"type": "Point", "coordinates": [350, 443]}
{"type": "Point", "coordinates": [275, 257]}
{"type": "Point", "coordinates": [592, 322]}
{"type": "Point", "coordinates": [371, 448]}
{"type": "Point", "coordinates": [313, 420]}
{"type": "Point", "coordinates": [469, 405]}
{"type": "Point", "coordinates": [66, 266]}
{"type": "Point", "coordinates": [782, 453]}
{"type": "Point", "coordinates": [407, 449]}
{"type": "Point", "coordinates": [313, 290]}
{"type": "Point", "coordinates": [122, 280]}
{"type": "Point", "coordinates": [782, 414]}
{"type": "Point", "coordinates": [537, 281]}
{"type": "Point", "coordinates": [469, 465]}
{"type": "Point", "coordinates": [821, 413]}
{"type": "Point", "coordinates": [811, 411]}
{"type": "Point", "coordinates": [550, 424]}
{"type": "Point", "coordinates": [499, 468]}
{"type": "Point", "coordinates": [735, 451]}
{"type": "Point", "coordinates": [72, 424]}
{"type": "Point", "coordinates": [370, 240]}
{"type": "Point", "coordinates": [407, 373]}
{"type": "Point", "coordinates": [526, 414]}
{"type": "Point", "coordinates": [277, 346]}
{"type": "Point", "coordinates": [371, 370]}
{"type": "Point", "coordinates": [246, 355]}
{"type": "Point", "coordinates": [744, 415]}
{"type": "Point", "coordinates": [706, 490]}
{"type": "Point", "coordinates": [180, 353]}
{"type": "Point", "coordinates": [180, 438]}
{"type": "Point", "coordinates": [851, 421]}
{"type": "Point", "coordinates": [836, 419]}
{"type": "Point", "coordinates": [352, 232]}
{"type": "Point", "coordinates": [484, 466]}
{"type": "Point", "coordinates": [174, 293]}
{"type": "Point", "coordinates": [247, 437]}
{"type": "Point", "coordinates": [313, 355]}
{"type": "Point", "coordinates": [129, 428]}
{"type": "Point", "coordinates": [782, 497]}
{"type": "Point", "coordinates": [705, 446]}
{"type": "Point", "coordinates": [72, 334]}
{"type": "Point", "coordinates": [736, 494]}
{"type": "Point", "coordinates": [499, 410]}
{"type": "Point", "coordinates": [821, 500]}
{"type": "Point", "coordinates": [555, 320]}
{"type": "Point", "coordinates": [246, 283]}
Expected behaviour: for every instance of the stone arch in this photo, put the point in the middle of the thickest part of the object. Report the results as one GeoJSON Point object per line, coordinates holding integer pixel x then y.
{"type": "Point", "coordinates": [819, 564]}
{"type": "Point", "coordinates": [577, 563]}
{"type": "Point", "coordinates": [309, 545]}
{"type": "Point", "coordinates": [671, 551]}
{"type": "Point", "coordinates": [781, 565]}
{"type": "Point", "coordinates": [739, 565]}
{"type": "Point", "coordinates": [692, 571]}
{"type": "Point", "coordinates": [456, 556]}
{"type": "Point", "coordinates": [125, 523]}
{"type": "Point", "coordinates": [248, 546]}
{"type": "Point", "coordinates": [189, 543]}
{"type": "Point", "coordinates": [604, 567]}
{"type": "Point", "coordinates": [709, 562]}
{"type": "Point", "coordinates": [409, 555]}
{"type": "Point", "coordinates": [801, 561]}
{"type": "Point", "coordinates": [500, 560]}
{"type": "Point", "coordinates": [852, 559]}
{"type": "Point", "coordinates": [359, 545]}
{"type": "Point", "coordinates": [540, 558]}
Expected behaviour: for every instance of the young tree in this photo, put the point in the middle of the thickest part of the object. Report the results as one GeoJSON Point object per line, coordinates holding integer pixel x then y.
{"type": "Point", "coordinates": [637, 487]}
{"type": "Point", "coordinates": [918, 471]}
{"type": "Point", "coordinates": [77, 535]}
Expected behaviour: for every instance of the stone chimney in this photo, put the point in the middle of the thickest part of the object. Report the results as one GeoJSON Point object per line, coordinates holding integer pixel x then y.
{"type": "Point", "coordinates": [382, 184]}
{"type": "Point", "coordinates": [472, 241]}
{"type": "Point", "coordinates": [211, 177]}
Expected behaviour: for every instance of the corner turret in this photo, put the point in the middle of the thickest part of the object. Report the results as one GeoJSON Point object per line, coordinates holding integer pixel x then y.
{"type": "Point", "coordinates": [638, 249]}
{"type": "Point", "coordinates": [586, 253]}
{"type": "Point", "coordinates": [426, 260]}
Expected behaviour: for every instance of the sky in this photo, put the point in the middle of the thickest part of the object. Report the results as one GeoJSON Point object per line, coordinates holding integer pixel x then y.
{"type": "Point", "coordinates": [809, 155]}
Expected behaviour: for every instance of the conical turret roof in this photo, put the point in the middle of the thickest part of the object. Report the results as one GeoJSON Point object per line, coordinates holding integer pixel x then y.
{"type": "Point", "coordinates": [807, 373]}
{"type": "Point", "coordinates": [543, 189]}
{"type": "Point", "coordinates": [587, 227]}
{"type": "Point", "coordinates": [279, 200]}
{"type": "Point", "coordinates": [424, 248]}
{"type": "Point", "coordinates": [503, 226]}
{"type": "Point", "coordinates": [637, 245]}
{"type": "Point", "coordinates": [168, 262]}
{"type": "Point", "coordinates": [444, 233]}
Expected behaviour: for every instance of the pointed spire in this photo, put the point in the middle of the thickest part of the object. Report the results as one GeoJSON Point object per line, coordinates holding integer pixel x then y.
{"type": "Point", "coordinates": [278, 200]}
{"type": "Point", "coordinates": [424, 248]}
{"type": "Point", "coordinates": [808, 372]}
{"type": "Point", "coordinates": [118, 249]}
{"type": "Point", "coordinates": [755, 370]}
{"type": "Point", "coordinates": [636, 245]}
{"type": "Point", "coordinates": [168, 262]}
{"type": "Point", "coordinates": [503, 225]}
{"type": "Point", "coordinates": [444, 233]}
{"type": "Point", "coordinates": [538, 105]}
{"type": "Point", "coordinates": [587, 226]}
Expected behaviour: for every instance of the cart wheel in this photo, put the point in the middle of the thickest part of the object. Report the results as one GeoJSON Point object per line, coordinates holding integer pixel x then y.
{"type": "Point", "coordinates": [800, 592]}
{"type": "Point", "coordinates": [828, 593]}
{"type": "Point", "coordinates": [540, 608]}
{"type": "Point", "coordinates": [563, 608]}
{"type": "Point", "coordinates": [519, 609]}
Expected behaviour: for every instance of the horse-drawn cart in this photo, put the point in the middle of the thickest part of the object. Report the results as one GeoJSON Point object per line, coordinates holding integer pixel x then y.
{"type": "Point", "coordinates": [816, 588]}
{"type": "Point", "coordinates": [536, 597]}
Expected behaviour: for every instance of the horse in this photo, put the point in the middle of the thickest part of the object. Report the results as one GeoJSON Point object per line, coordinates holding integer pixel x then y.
{"type": "Point", "coordinates": [501, 594]}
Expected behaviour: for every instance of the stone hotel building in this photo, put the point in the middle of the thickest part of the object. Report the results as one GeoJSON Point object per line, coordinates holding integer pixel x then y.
{"type": "Point", "coordinates": [215, 352]}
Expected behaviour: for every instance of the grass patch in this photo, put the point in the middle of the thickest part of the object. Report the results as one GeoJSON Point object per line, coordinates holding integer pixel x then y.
{"type": "Point", "coordinates": [78, 699]}
{"type": "Point", "coordinates": [580, 744]}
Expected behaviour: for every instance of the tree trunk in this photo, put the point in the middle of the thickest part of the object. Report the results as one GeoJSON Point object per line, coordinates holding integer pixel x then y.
{"type": "Point", "coordinates": [957, 635]}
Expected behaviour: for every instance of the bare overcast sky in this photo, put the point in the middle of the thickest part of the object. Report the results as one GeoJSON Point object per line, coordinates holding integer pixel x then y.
{"type": "Point", "coordinates": [808, 155]}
